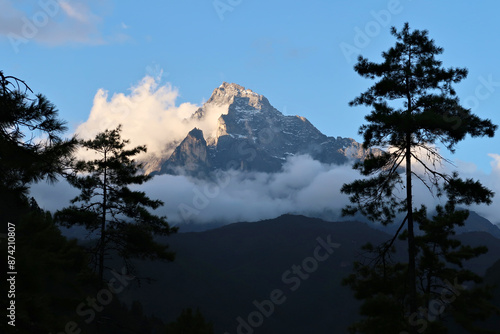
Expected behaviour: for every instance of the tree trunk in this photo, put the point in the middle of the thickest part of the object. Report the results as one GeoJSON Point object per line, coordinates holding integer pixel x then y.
{"type": "Point", "coordinates": [103, 227]}
{"type": "Point", "coordinates": [411, 238]}
{"type": "Point", "coordinates": [412, 280]}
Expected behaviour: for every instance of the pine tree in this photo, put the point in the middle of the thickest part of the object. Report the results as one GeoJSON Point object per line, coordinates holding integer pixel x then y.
{"type": "Point", "coordinates": [108, 207]}
{"type": "Point", "coordinates": [414, 108]}
{"type": "Point", "coordinates": [31, 147]}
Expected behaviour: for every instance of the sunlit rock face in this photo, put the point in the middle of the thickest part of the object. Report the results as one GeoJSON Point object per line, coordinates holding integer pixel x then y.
{"type": "Point", "coordinates": [189, 157]}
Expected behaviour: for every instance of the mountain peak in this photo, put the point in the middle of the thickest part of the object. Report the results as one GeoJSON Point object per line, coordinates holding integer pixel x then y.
{"type": "Point", "coordinates": [228, 93]}
{"type": "Point", "coordinates": [196, 133]}
{"type": "Point", "coordinates": [230, 85]}
{"type": "Point", "coordinates": [248, 124]}
{"type": "Point", "coordinates": [234, 89]}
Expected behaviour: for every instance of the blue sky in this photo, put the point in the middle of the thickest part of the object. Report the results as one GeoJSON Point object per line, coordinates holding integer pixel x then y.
{"type": "Point", "coordinates": [291, 52]}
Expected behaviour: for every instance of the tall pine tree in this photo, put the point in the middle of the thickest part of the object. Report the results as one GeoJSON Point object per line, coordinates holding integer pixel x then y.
{"type": "Point", "coordinates": [414, 107]}
{"type": "Point", "coordinates": [118, 215]}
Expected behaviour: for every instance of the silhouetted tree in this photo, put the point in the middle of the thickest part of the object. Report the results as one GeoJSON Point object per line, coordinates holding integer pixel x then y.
{"type": "Point", "coordinates": [107, 206]}
{"type": "Point", "coordinates": [424, 111]}
{"type": "Point", "coordinates": [31, 147]}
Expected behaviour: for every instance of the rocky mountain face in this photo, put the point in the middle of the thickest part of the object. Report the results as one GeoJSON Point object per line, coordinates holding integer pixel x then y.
{"type": "Point", "coordinates": [189, 157]}
{"type": "Point", "coordinates": [252, 135]}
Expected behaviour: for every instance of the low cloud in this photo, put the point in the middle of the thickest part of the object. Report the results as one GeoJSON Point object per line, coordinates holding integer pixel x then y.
{"type": "Point", "coordinates": [304, 186]}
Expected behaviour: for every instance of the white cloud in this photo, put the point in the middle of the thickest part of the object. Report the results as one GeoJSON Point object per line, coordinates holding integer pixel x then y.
{"type": "Point", "coordinates": [52, 22]}
{"type": "Point", "coordinates": [77, 11]}
{"type": "Point", "coordinates": [149, 116]}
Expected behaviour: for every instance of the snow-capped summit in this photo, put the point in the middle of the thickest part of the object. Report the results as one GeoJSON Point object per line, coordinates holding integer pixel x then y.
{"type": "Point", "coordinates": [231, 94]}
{"type": "Point", "coordinates": [253, 135]}
{"type": "Point", "coordinates": [227, 92]}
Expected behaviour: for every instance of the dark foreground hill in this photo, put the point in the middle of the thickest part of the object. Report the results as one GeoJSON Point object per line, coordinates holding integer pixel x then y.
{"type": "Point", "coordinates": [275, 276]}
{"type": "Point", "coordinates": [492, 277]}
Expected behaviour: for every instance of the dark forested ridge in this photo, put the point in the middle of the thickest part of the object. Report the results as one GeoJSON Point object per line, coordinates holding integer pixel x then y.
{"type": "Point", "coordinates": [224, 270]}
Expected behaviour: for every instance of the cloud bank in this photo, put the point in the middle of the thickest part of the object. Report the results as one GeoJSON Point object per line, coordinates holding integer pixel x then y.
{"type": "Point", "coordinates": [304, 186]}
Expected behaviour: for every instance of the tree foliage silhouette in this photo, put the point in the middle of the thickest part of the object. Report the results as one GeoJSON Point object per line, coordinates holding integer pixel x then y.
{"type": "Point", "coordinates": [414, 107]}
{"type": "Point", "coordinates": [51, 269]}
{"type": "Point", "coordinates": [31, 146]}
{"type": "Point", "coordinates": [118, 215]}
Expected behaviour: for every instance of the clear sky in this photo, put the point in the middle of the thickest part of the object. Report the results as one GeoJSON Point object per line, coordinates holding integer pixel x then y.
{"type": "Point", "coordinates": [299, 54]}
